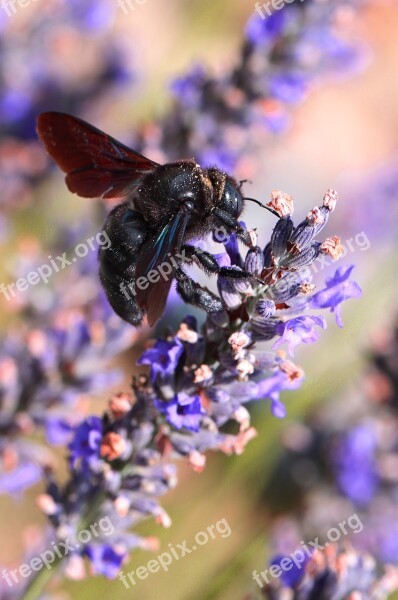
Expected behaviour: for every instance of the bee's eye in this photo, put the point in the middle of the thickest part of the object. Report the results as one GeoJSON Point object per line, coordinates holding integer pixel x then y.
{"type": "Point", "coordinates": [231, 200]}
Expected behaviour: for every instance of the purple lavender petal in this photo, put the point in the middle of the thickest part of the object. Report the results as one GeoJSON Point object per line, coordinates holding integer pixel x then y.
{"type": "Point", "coordinates": [338, 289]}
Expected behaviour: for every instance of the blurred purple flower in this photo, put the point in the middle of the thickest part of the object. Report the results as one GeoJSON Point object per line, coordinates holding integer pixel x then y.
{"type": "Point", "coordinates": [290, 578]}
{"type": "Point", "coordinates": [388, 543]}
{"type": "Point", "coordinates": [262, 31]}
{"type": "Point", "coordinates": [85, 446]}
{"type": "Point", "coordinates": [105, 560]}
{"type": "Point", "coordinates": [95, 15]}
{"type": "Point", "coordinates": [284, 55]}
{"type": "Point", "coordinates": [58, 431]}
{"type": "Point", "coordinates": [186, 87]}
{"type": "Point", "coordinates": [20, 478]}
{"type": "Point", "coordinates": [355, 465]}
{"type": "Point", "coordinates": [271, 387]}
{"type": "Point", "coordinates": [338, 289]}
{"type": "Point", "coordinates": [183, 411]}
{"type": "Point", "coordinates": [290, 88]}
{"type": "Point", "coordinates": [42, 49]}
{"type": "Point", "coordinates": [334, 574]}
{"type": "Point", "coordinates": [163, 358]}
{"type": "Point", "coordinates": [300, 330]}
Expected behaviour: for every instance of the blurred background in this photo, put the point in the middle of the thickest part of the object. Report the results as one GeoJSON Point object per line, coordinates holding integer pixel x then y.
{"type": "Point", "coordinates": [114, 65]}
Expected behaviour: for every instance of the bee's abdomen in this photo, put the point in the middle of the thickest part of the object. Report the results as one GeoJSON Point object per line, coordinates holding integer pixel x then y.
{"type": "Point", "coordinates": [127, 231]}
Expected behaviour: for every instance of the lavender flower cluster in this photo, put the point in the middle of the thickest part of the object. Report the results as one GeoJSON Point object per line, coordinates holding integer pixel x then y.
{"type": "Point", "coordinates": [349, 451]}
{"type": "Point", "coordinates": [199, 380]}
{"type": "Point", "coordinates": [335, 574]}
{"type": "Point", "coordinates": [367, 445]}
{"type": "Point", "coordinates": [224, 119]}
{"type": "Point", "coordinates": [201, 377]}
{"type": "Point", "coordinates": [219, 119]}
{"type": "Point", "coordinates": [53, 52]}
{"type": "Point", "coordinates": [52, 364]}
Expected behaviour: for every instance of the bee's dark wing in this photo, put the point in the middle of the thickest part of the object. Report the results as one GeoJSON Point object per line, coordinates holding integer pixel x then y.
{"type": "Point", "coordinates": [157, 255]}
{"type": "Point", "coordinates": [96, 164]}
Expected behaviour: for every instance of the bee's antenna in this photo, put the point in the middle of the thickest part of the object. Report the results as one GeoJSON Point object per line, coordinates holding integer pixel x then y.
{"type": "Point", "coordinates": [263, 206]}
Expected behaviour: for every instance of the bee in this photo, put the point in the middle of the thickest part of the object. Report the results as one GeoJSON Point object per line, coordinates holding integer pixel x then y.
{"type": "Point", "coordinates": [162, 208]}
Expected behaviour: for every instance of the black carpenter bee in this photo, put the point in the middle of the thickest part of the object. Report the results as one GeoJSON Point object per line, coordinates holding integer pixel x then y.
{"type": "Point", "coordinates": [165, 207]}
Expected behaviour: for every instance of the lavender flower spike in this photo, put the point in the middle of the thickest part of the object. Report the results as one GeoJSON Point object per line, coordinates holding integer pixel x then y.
{"type": "Point", "coordinates": [200, 378]}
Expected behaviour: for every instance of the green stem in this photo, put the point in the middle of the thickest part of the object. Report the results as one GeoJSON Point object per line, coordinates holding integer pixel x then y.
{"type": "Point", "coordinates": [39, 581]}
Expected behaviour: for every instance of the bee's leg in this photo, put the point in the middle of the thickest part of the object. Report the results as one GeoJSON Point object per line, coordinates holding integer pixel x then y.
{"type": "Point", "coordinates": [210, 265]}
{"type": "Point", "coordinates": [204, 259]}
{"type": "Point", "coordinates": [193, 293]}
{"type": "Point", "coordinates": [233, 225]}
{"type": "Point", "coordinates": [232, 273]}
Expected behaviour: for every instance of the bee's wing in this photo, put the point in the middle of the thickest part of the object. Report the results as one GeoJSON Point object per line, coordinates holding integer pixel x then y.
{"type": "Point", "coordinates": [96, 164]}
{"type": "Point", "coordinates": [157, 255]}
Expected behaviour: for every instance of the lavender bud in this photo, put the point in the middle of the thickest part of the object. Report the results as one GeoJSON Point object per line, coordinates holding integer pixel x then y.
{"type": "Point", "coordinates": [254, 262]}
{"type": "Point", "coordinates": [305, 257]}
{"type": "Point", "coordinates": [315, 216]}
{"type": "Point", "coordinates": [323, 217]}
{"type": "Point", "coordinates": [244, 287]}
{"type": "Point", "coordinates": [219, 318]}
{"type": "Point", "coordinates": [228, 292]}
{"type": "Point", "coordinates": [262, 328]}
{"type": "Point", "coordinates": [280, 236]}
{"type": "Point", "coordinates": [267, 256]}
{"type": "Point", "coordinates": [195, 353]}
{"type": "Point", "coordinates": [265, 308]}
{"type": "Point", "coordinates": [218, 394]}
{"type": "Point", "coordinates": [286, 288]}
{"type": "Point", "coordinates": [305, 232]}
